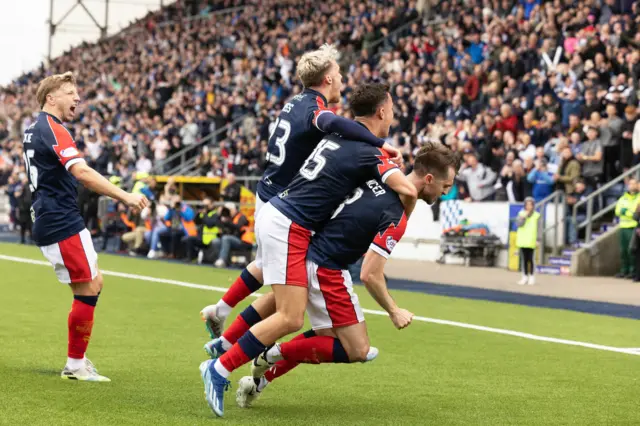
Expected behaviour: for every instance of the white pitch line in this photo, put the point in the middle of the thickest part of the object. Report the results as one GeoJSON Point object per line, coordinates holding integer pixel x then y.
{"type": "Point", "coordinates": [628, 351]}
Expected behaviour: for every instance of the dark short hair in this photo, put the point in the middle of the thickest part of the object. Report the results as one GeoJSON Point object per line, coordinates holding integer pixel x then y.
{"type": "Point", "coordinates": [436, 158]}
{"type": "Point", "coordinates": [367, 97]}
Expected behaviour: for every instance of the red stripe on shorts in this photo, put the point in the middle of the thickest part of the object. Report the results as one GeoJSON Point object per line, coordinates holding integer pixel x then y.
{"type": "Point", "coordinates": [336, 297]}
{"type": "Point", "coordinates": [297, 246]}
{"type": "Point", "coordinates": [75, 259]}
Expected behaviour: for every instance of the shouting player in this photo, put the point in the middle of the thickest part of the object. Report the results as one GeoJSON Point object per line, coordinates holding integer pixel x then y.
{"type": "Point", "coordinates": [55, 166]}
{"type": "Point", "coordinates": [369, 223]}
{"type": "Point", "coordinates": [302, 123]}
{"type": "Point", "coordinates": [284, 226]}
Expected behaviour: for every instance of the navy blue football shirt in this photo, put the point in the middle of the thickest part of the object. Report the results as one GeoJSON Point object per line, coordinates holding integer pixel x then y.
{"type": "Point", "coordinates": [49, 151]}
{"type": "Point", "coordinates": [301, 125]}
{"type": "Point", "coordinates": [372, 217]}
{"type": "Point", "coordinates": [333, 170]}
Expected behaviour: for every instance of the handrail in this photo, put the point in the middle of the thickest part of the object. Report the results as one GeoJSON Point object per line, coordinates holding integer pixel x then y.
{"type": "Point", "coordinates": [399, 30]}
{"type": "Point", "coordinates": [556, 197]}
{"type": "Point", "coordinates": [591, 216]}
{"type": "Point", "coordinates": [196, 145]}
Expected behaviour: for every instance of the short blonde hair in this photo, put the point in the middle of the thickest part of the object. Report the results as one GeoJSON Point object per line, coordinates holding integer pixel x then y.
{"type": "Point", "coordinates": [313, 66]}
{"type": "Point", "coordinates": [51, 84]}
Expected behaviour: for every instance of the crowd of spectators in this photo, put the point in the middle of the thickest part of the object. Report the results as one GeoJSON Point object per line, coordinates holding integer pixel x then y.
{"type": "Point", "coordinates": [538, 95]}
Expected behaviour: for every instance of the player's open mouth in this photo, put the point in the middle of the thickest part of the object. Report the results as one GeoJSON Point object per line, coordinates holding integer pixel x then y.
{"type": "Point", "coordinates": [73, 109]}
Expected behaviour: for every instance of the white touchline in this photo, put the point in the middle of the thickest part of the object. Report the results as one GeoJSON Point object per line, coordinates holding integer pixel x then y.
{"type": "Point", "coordinates": [628, 351]}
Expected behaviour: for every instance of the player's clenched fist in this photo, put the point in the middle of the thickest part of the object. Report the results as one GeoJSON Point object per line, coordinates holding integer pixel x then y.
{"type": "Point", "coordinates": [138, 201]}
{"type": "Point", "coordinates": [401, 318]}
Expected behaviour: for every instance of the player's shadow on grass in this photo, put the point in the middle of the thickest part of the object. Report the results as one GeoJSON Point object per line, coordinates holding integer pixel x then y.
{"type": "Point", "coordinates": [46, 371]}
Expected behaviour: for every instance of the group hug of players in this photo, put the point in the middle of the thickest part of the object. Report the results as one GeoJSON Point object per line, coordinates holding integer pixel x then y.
{"type": "Point", "coordinates": [332, 193]}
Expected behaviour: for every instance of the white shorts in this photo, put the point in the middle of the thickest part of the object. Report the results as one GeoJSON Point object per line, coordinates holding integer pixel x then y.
{"type": "Point", "coordinates": [282, 248]}
{"type": "Point", "coordinates": [332, 302]}
{"type": "Point", "coordinates": [74, 260]}
{"type": "Point", "coordinates": [259, 205]}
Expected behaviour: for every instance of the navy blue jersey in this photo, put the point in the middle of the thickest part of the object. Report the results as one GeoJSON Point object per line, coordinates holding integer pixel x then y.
{"type": "Point", "coordinates": [293, 138]}
{"type": "Point", "coordinates": [333, 170]}
{"type": "Point", "coordinates": [49, 151]}
{"type": "Point", "coordinates": [371, 218]}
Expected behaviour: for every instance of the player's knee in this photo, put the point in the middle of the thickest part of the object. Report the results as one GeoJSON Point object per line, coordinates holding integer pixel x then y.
{"type": "Point", "coordinates": [358, 353]}
{"type": "Point", "coordinates": [293, 323]}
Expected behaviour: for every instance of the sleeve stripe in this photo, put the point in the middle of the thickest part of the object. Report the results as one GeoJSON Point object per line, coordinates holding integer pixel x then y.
{"type": "Point", "coordinates": [318, 113]}
{"type": "Point", "coordinates": [73, 161]}
{"type": "Point", "coordinates": [388, 173]}
{"type": "Point", "coordinates": [382, 252]}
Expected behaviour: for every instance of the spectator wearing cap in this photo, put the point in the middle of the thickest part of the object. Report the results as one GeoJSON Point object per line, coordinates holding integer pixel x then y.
{"type": "Point", "coordinates": [592, 160]}
{"type": "Point", "coordinates": [478, 177]}
{"type": "Point", "coordinates": [541, 179]}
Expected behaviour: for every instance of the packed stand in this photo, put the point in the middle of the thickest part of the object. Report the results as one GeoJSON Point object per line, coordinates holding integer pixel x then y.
{"type": "Point", "coordinates": [537, 96]}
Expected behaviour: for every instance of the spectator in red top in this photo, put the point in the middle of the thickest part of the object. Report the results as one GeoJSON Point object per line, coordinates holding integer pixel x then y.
{"type": "Point", "coordinates": [507, 120]}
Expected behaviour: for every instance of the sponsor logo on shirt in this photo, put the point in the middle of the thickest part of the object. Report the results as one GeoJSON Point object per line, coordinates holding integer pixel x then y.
{"type": "Point", "coordinates": [69, 152]}
{"type": "Point", "coordinates": [391, 243]}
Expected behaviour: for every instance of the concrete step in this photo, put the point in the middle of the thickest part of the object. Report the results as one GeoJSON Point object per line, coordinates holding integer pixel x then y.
{"type": "Point", "coordinates": [560, 260]}
{"type": "Point", "coordinates": [595, 235]}
{"type": "Point", "coordinates": [568, 252]}
{"type": "Point", "coordinates": [553, 270]}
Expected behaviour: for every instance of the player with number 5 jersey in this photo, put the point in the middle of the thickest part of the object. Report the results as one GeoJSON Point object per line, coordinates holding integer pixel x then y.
{"type": "Point", "coordinates": [55, 166]}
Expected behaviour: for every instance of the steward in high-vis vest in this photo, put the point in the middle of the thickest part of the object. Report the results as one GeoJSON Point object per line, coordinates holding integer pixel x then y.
{"type": "Point", "coordinates": [526, 239]}
{"type": "Point", "coordinates": [236, 234]}
{"type": "Point", "coordinates": [625, 208]}
{"type": "Point", "coordinates": [206, 221]}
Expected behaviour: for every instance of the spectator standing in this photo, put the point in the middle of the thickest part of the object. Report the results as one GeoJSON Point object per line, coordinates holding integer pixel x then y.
{"type": "Point", "coordinates": [579, 193]}
{"type": "Point", "coordinates": [542, 180]}
{"type": "Point", "coordinates": [479, 179]}
{"type": "Point", "coordinates": [626, 138]}
{"type": "Point", "coordinates": [592, 160]}
{"type": "Point", "coordinates": [568, 172]}
{"type": "Point", "coordinates": [625, 210]}
{"type": "Point", "coordinates": [526, 238]}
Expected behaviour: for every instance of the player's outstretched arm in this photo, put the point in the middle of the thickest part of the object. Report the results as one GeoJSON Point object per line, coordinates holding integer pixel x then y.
{"type": "Point", "coordinates": [328, 122]}
{"type": "Point", "coordinates": [372, 276]}
{"type": "Point", "coordinates": [98, 183]}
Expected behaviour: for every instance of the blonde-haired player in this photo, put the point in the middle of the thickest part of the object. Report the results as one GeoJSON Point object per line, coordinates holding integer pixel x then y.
{"type": "Point", "coordinates": [55, 166]}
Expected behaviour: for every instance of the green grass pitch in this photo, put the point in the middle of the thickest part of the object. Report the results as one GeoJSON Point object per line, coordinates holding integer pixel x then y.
{"type": "Point", "coordinates": [148, 339]}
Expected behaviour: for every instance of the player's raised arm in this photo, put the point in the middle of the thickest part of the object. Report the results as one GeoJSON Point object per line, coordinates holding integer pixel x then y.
{"type": "Point", "coordinates": [328, 122]}
{"type": "Point", "coordinates": [98, 183]}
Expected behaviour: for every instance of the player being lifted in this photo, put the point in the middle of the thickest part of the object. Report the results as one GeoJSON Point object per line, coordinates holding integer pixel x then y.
{"type": "Point", "coordinates": [369, 223]}
{"type": "Point", "coordinates": [55, 166]}
{"type": "Point", "coordinates": [284, 226]}
{"type": "Point", "coordinates": [302, 123]}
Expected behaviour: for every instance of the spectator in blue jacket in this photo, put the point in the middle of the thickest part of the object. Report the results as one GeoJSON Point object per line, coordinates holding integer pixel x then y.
{"type": "Point", "coordinates": [571, 105]}
{"type": "Point", "coordinates": [542, 180]}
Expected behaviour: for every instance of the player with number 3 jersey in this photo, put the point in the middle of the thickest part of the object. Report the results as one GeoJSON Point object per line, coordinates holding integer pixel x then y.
{"type": "Point", "coordinates": [54, 166]}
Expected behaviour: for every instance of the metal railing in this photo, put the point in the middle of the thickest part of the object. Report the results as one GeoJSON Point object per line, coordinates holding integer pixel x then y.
{"type": "Point", "coordinates": [589, 200]}
{"type": "Point", "coordinates": [557, 198]}
{"type": "Point", "coordinates": [393, 37]}
{"type": "Point", "coordinates": [182, 154]}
